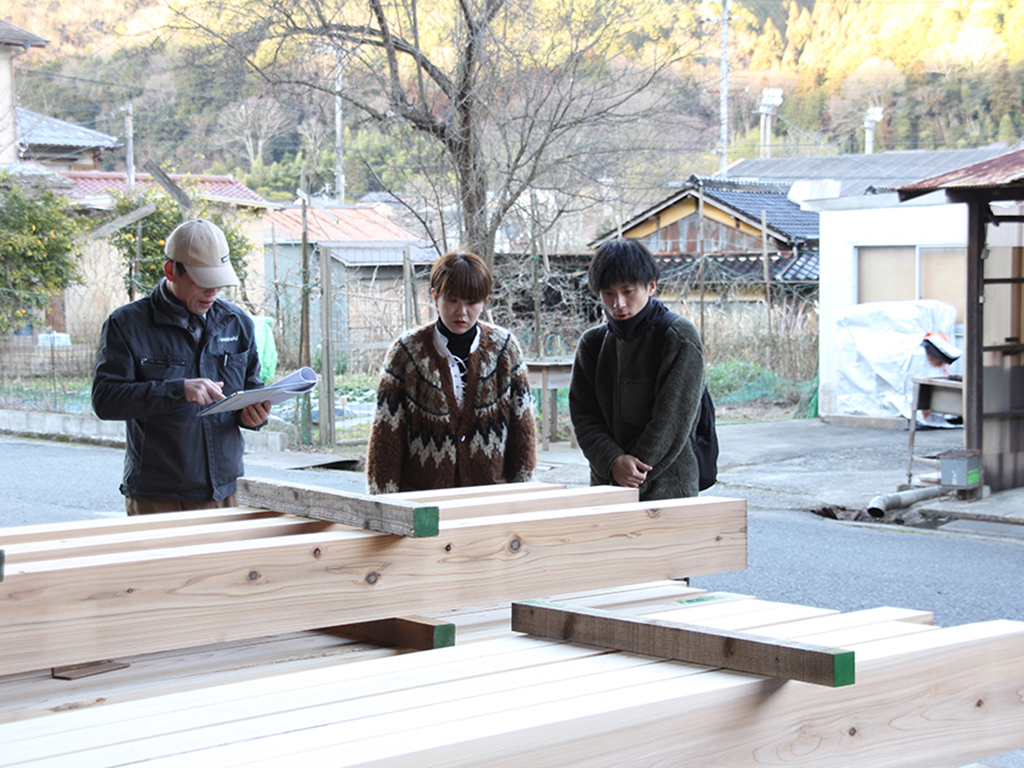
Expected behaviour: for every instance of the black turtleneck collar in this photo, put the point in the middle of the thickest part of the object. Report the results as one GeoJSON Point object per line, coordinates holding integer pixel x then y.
{"type": "Point", "coordinates": [633, 328]}
{"type": "Point", "coordinates": [458, 343]}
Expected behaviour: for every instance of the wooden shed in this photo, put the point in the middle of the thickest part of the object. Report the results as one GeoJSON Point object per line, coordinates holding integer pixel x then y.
{"type": "Point", "coordinates": [994, 357]}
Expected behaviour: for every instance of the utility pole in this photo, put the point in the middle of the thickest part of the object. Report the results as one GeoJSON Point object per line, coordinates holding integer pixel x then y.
{"type": "Point", "coordinates": [339, 133]}
{"type": "Point", "coordinates": [129, 145]}
{"type": "Point", "coordinates": [129, 150]}
{"type": "Point", "coordinates": [723, 96]}
{"type": "Point", "coordinates": [305, 417]}
{"type": "Point", "coordinates": [771, 98]}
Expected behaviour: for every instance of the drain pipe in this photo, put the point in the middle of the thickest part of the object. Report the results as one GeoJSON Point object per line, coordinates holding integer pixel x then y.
{"type": "Point", "coordinates": [889, 501]}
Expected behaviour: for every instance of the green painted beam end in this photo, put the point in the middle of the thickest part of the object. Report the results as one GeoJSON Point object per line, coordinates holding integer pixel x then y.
{"type": "Point", "coordinates": [709, 597]}
{"type": "Point", "coordinates": [444, 635]}
{"type": "Point", "coordinates": [425, 522]}
{"type": "Point", "coordinates": [843, 669]}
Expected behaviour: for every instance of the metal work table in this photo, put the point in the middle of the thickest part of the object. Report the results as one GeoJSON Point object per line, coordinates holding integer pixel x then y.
{"type": "Point", "coordinates": [943, 395]}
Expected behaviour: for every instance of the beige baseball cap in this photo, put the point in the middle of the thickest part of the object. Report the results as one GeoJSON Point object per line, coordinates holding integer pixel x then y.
{"type": "Point", "coordinates": [201, 246]}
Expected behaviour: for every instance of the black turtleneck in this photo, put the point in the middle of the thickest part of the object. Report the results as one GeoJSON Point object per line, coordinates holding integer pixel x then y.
{"type": "Point", "coordinates": [633, 328]}
{"type": "Point", "coordinates": [458, 343]}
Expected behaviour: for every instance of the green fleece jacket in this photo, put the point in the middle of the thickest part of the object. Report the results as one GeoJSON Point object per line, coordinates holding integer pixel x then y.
{"type": "Point", "coordinates": [640, 398]}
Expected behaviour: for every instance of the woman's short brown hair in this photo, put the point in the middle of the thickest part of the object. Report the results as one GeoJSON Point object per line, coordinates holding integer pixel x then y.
{"type": "Point", "coordinates": [459, 275]}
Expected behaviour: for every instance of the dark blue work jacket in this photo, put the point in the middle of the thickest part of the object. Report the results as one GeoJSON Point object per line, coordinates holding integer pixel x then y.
{"type": "Point", "coordinates": [147, 350]}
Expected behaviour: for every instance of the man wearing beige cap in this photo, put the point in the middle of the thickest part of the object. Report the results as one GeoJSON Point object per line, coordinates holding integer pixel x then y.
{"type": "Point", "coordinates": [161, 359]}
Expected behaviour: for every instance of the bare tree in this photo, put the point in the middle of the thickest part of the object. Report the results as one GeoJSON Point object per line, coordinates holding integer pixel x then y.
{"type": "Point", "coordinates": [251, 124]}
{"type": "Point", "coordinates": [519, 95]}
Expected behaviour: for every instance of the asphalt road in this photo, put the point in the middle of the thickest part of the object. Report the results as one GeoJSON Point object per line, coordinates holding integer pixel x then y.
{"type": "Point", "coordinates": [794, 556]}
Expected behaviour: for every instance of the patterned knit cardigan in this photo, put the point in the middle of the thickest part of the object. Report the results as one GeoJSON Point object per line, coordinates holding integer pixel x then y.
{"type": "Point", "coordinates": [421, 439]}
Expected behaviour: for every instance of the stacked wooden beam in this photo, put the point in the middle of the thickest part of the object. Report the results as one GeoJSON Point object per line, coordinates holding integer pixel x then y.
{"type": "Point", "coordinates": [268, 687]}
{"type": "Point", "coordinates": [924, 697]}
{"type": "Point", "coordinates": [82, 593]}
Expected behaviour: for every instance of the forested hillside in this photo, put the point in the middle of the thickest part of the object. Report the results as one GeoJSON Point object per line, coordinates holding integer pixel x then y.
{"type": "Point", "coordinates": [609, 100]}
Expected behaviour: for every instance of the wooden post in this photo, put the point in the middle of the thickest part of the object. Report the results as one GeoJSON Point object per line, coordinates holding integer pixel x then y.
{"type": "Point", "coordinates": [740, 651]}
{"type": "Point", "coordinates": [977, 211]}
{"type": "Point", "coordinates": [302, 402]}
{"type": "Point", "coordinates": [700, 241]}
{"type": "Point", "coordinates": [407, 289]}
{"type": "Point", "coordinates": [767, 270]}
{"type": "Point", "coordinates": [325, 385]}
{"type": "Point", "coordinates": [372, 513]}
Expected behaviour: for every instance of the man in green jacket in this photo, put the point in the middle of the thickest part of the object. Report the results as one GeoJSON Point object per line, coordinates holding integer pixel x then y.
{"type": "Point", "coordinates": [637, 381]}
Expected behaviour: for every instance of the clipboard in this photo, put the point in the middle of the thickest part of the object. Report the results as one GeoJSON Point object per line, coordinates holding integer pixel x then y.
{"type": "Point", "coordinates": [298, 383]}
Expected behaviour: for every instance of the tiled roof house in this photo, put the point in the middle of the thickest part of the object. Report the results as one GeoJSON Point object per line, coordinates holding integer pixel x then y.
{"type": "Point", "coordinates": [720, 219]}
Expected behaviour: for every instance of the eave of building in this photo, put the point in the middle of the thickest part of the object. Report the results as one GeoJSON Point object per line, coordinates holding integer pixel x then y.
{"type": "Point", "coordinates": [685, 203]}
{"type": "Point", "coordinates": [712, 210]}
{"type": "Point", "coordinates": [16, 37]}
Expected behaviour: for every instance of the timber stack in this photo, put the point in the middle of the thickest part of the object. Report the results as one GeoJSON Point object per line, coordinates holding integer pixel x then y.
{"type": "Point", "coordinates": [284, 634]}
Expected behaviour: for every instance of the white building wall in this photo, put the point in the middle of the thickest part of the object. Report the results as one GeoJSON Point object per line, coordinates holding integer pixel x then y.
{"type": "Point", "coordinates": [881, 220]}
{"type": "Point", "coordinates": [8, 124]}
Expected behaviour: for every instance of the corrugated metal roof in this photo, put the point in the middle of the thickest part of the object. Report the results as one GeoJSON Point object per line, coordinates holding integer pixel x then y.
{"type": "Point", "coordinates": [1004, 171]}
{"type": "Point", "coordinates": [98, 183]}
{"type": "Point", "coordinates": [337, 225]}
{"type": "Point", "coordinates": [14, 35]}
{"type": "Point", "coordinates": [42, 131]}
{"type": "Point", "coordinates": [380, 254]}
{"type": "Point", "coordinates": [859, 173]}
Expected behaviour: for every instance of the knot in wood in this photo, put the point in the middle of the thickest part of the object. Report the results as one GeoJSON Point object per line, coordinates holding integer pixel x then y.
{"type": "Point", "coordinates": [516, 544]}
{"type": "Point", "coordinates": [254, 575]}
{"type": "Point", "coordinates": [853, 731]}
{"type": "Point", "coordinates": [317, 553]}
{"type": "Point", "coordinates": [447, 547]}
{"type": "Point", "coordinates": [371, 577]}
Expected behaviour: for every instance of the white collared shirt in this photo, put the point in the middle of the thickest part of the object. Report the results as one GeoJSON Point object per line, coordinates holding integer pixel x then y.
{"type": "Point", "coordinates": [455, 365]}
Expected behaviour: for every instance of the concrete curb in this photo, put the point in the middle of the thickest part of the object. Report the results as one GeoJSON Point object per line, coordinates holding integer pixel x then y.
{"type": "Point", "coordinates": [86, 427]}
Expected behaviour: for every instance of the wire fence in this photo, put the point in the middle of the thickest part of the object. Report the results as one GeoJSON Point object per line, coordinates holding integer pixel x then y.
{"type": "Point", "coordinates": [752, 354]}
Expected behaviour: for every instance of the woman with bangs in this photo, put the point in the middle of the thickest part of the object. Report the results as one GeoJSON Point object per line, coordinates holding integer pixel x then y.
{"type": "Point", "coordinates": [454, 405]}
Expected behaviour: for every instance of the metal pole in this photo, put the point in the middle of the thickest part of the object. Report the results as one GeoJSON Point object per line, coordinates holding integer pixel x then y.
{"type": "Point", "coordinates": [700, 219]}
{"type": "Point", "coordinates": [407, 289]}
{"type": "Point", "coordinates": [767, 270]}
{"type": "Point", "coordinates": [723, 97]}
{"type": "Point", "coordinates": [325, 386]}
{"type": "Point", "coordinates": [339, 134]}
{"type": "Point", "coordinates": [305, 417]}
{"type": "Point", "coordinates": [129, 146]}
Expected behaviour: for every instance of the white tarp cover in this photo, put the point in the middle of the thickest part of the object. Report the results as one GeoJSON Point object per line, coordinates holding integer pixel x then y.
{"type": "Point", "coordinates": [880, 353]}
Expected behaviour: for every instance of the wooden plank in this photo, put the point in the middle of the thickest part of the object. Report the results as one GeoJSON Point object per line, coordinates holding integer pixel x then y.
{"type": "Point", "coordinates": [810, 627]}
{"type": "Point", "coordinates": [268, 688]}
{"type": "Point", "coordinates": [36, 694]}
{"type": "Point", "coordinates": [371, 513]}
{"type": "Point", "coordinates": [79, 609]}
{"type": "Point", "coordinates": [77, 671]}
{"type": "Point", "coordinates": [755, 614]}
{"type": "Point", "coordinates": [542, 500]}
{"type": "Point", "coordinates": [470, 491]}
{"type": "Point", "coordinates": [160, 538]}
{"type": "Point", "coordinates": [420, 633]}
{"type": "Point", "coordinates": [84, 528]}
{"type": "Point", "coordinates": [915, 705]}
{"type": "Point", "coordinates": [740, 651]}
{"type": "Point", "coordinates": [509, 661]}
